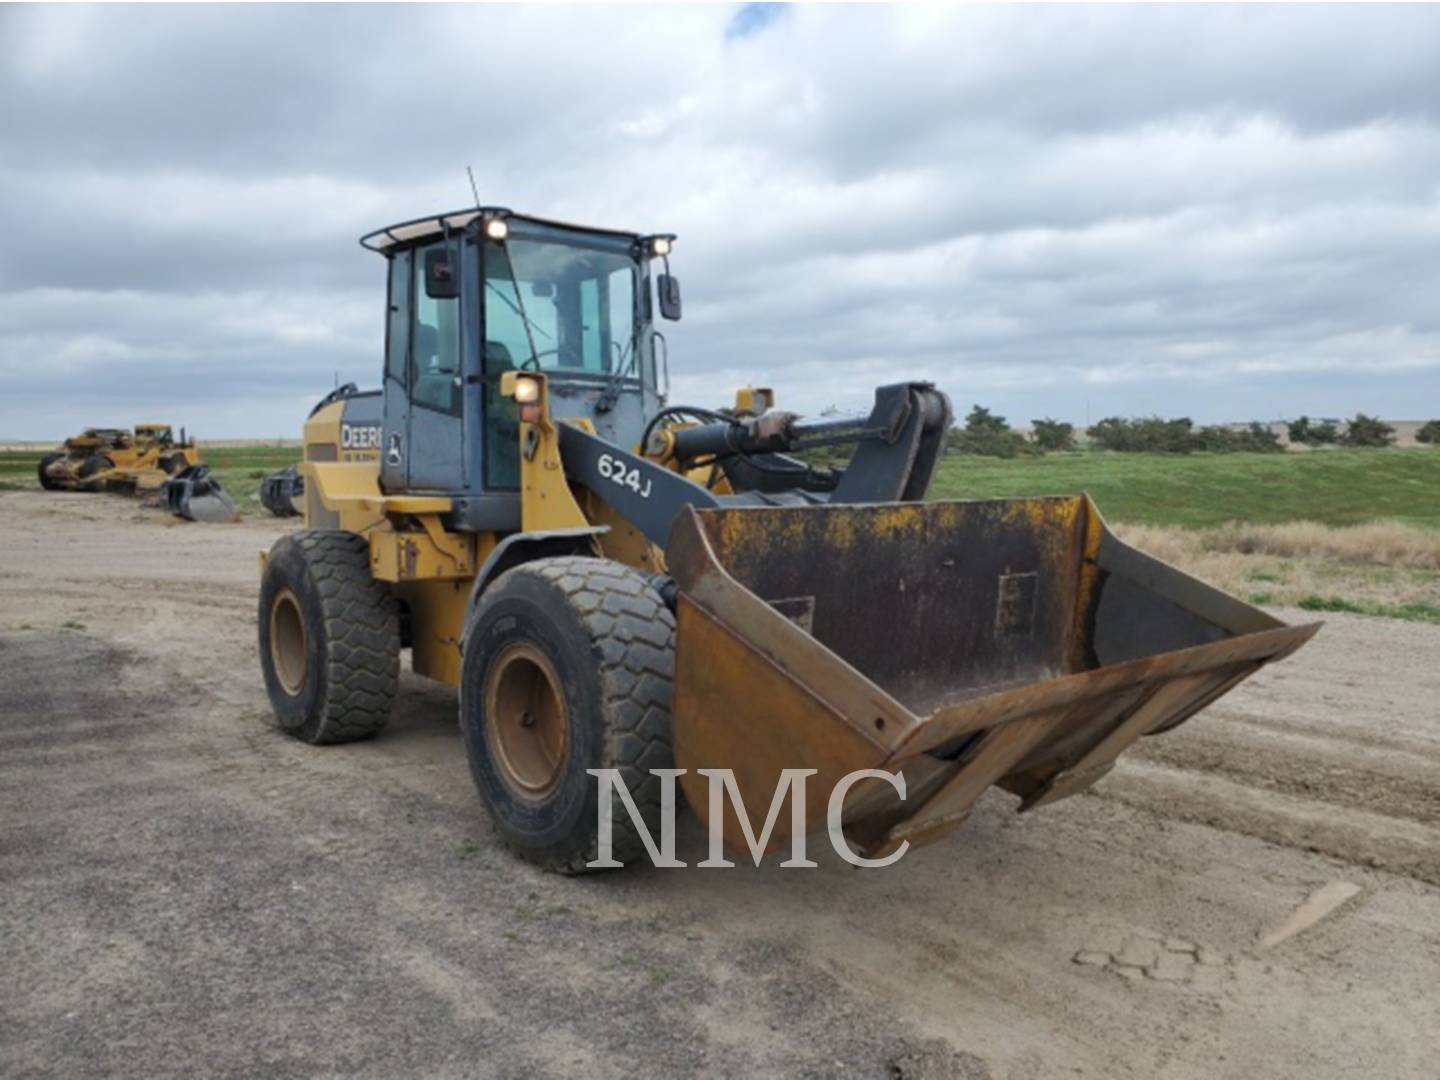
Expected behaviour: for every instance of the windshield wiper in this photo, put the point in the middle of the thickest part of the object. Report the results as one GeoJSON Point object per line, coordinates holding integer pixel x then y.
{"type": "Point", "coordinates": [519, 306]}
{"type": "Point", "coordinates": [611, 393]}
{"type": "Point", "coordinates": [520, 310]}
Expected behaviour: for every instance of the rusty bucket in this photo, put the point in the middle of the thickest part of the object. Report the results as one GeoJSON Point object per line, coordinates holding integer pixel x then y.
{"type": "Point", "coordinates": [962, 644]}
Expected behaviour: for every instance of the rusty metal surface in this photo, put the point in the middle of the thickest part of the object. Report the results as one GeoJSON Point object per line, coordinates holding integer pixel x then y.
{"type": "Point", "coordinates": [964, 644]}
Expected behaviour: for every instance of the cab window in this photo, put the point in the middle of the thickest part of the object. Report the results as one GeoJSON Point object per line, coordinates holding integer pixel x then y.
{"type": "Point", "coordinates": [397, 347]}
{"type": "Point", "coordinates": [435, 349]}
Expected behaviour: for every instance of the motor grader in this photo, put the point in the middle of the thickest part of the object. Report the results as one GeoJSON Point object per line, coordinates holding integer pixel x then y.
{"type": "Point", "coordinates": [614, 582]}
{"type": "Point", "coordinates": [100, 458]}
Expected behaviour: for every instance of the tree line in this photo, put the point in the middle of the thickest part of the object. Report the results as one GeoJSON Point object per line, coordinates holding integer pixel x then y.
{"type": "Point", "coordinates": [988, 434]}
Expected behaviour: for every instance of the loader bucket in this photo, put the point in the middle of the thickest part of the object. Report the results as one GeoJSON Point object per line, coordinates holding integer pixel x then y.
{"type": "Point", "coordinates": [961, 644]}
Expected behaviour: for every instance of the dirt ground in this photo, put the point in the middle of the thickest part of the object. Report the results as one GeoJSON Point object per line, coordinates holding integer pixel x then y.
{"type": "Point", "coordinates": [184, 891]}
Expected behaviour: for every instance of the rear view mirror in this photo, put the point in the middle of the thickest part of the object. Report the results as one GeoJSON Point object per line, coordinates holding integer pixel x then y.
{"type": "Point", "coordinates": [668, 286]}
{"type": "Point", "coordinates": [440, 280]}
{"type": "Point", "coordinates": [543, 289]}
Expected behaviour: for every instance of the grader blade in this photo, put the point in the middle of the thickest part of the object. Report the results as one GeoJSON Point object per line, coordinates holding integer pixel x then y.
{"type": "Point", "coordinates": [1014, 642]}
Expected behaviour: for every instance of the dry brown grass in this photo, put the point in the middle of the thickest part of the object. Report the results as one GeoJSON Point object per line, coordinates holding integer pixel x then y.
{"type": "Point", "coordinates": [1379, 543]}
{"type": "Point", "coordinates": [1384, 565]}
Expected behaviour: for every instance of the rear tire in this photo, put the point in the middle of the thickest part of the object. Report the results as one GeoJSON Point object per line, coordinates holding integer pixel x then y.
{"type": "Point", "coordinates": [48, 482]}
{"type": "Point", "coordinates": [329, 638]}
{"type": "Point", "coordinates": [583, 648]}
{"type": "Point", "coordinates": [96, 464]}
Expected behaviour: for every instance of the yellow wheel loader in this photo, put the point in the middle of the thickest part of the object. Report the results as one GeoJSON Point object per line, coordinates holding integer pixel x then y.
{"type": "Point", "coordinates": [616, 583]}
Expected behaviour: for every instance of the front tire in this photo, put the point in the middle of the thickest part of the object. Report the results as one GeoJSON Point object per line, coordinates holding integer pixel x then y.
{"type": "Point", "coordinates": [329, 638]}
{"type": "Point", "coordinates": [48, 482]}
{"type": "Point", "coordinates": [568, 666]}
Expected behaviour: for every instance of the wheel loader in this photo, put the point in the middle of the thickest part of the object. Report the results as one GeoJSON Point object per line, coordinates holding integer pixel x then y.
{"type": "Point", "coordinates": [614, 582]}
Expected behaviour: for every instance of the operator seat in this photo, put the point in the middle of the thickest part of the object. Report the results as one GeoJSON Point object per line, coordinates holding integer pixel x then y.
{"type": "Point", "coordinates": [434, 386]}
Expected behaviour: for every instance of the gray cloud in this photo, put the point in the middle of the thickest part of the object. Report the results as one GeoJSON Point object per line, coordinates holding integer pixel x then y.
{"type": "Point", "coordinates": [1228, 212]}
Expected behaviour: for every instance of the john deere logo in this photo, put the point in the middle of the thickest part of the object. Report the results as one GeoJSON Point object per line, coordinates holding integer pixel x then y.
{"type": "Point", "coordinates": [360, 437]}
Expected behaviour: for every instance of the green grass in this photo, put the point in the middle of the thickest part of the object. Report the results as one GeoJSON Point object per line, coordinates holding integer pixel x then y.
{"type": "Point", "coordinates": [1333, 487]}
{"type": "Point", "coordinates": [240, 470]}
{"type": "Point", "coordinates": [1417, 611]}
{"type": "Point", "coordinates": [17, 465]}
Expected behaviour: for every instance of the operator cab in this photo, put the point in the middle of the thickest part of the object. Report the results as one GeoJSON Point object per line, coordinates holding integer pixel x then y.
{"type": "Point", "coordinates": [480, 292]}
{"type": "Point", "coordinates": [160, 434]}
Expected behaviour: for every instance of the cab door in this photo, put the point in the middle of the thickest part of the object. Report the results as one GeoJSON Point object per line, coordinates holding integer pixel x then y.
{"type": "Point", "coordinates": [424, 431]}
{"type": "Point", "coordinates": [395, 426]}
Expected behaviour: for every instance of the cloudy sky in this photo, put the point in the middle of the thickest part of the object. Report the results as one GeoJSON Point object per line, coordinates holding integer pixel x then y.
{"type": "Point", "coordinates": [1221, 212]}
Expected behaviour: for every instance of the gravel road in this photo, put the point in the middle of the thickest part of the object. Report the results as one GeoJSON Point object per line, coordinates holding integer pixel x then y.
{"type": "Point", "coordinates": [183, 891]}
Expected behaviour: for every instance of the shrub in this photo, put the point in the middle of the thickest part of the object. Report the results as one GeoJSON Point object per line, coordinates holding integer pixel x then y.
{"type": "Point", "coordinates": [1054, 434]}
{"type": "Point", "coordinates": [986, 435]}
{"type": "Point", "coordinates": [1429, 433]}
{"type": "Point", "coordinates": [1368, 431]}
{"type": "Point", "coordinates": [1303, 431]}
{"type": "Point", "coordinates": [1255, 439]}
{"type": "Point", "coordinates": [1217, 440]}
{"type": "Point", "coordinates": [1150, 434]}
{"type": "Point", "coordinates": [1154, 435]}
{"type": "Point", "coordinates": [1259, 439]}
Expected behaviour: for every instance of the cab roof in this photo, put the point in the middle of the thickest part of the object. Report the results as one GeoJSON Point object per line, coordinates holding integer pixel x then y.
{"type": "Point", "coordinates": [406, 232]}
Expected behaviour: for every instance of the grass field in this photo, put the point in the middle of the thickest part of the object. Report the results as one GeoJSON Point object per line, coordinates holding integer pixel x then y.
{"type": "Point", "coordinates": [241, 470]}
{"type": "Point", "coordinates": [1332, 487]}
{"type": "Point", "coordinates": [1338, 530]}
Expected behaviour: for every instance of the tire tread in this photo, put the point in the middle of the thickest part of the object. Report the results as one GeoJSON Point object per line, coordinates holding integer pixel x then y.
{"type": "Point", "coordinates": [362, 636]}
{"type": "Point", "coordinates": [633, 635]}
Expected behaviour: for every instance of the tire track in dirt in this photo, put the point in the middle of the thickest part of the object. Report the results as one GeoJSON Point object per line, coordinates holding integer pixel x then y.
{"type": "Point", "coordinates": [1390, 783]}
{"type": "Point", "coordinates": [1355, 836]}
{"type": "Point", "coordinates": [178, 837]}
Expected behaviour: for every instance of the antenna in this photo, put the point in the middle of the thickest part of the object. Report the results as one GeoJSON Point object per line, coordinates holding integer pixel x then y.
{"type": "Point", "coordinates": [473, 189]}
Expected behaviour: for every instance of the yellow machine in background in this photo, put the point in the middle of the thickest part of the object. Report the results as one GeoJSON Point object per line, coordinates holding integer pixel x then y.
{"type": "Point", "coordinates": [149, 461]}
{"type": "Point", "coordinates": [100, 458]}
{"type": "Point", "coordinates": [616, 583]}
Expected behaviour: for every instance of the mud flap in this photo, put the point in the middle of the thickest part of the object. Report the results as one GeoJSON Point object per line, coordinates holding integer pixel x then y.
{"type": "Point", "coordinates": [964, 645]}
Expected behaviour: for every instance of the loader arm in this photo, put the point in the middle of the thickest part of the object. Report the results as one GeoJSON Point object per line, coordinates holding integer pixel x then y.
{"type": "Point", "coordinates": [898, 449]}
{"type": "Point", "coordinates": [647, 495]}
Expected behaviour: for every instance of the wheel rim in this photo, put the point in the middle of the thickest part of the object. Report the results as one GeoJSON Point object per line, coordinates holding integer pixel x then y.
{"type": "Point", "coordinates": [526, 726]}
{"type": "Point", "coordinates": [289, 653]}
